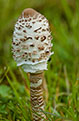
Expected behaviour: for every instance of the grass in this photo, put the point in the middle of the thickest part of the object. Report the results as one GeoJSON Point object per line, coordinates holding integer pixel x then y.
{"type": "Point", "coordinates": [62, 77]}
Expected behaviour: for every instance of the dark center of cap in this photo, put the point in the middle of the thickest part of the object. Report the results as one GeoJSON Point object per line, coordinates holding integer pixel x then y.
{"type": "Point", "coordinates": [29, 12]}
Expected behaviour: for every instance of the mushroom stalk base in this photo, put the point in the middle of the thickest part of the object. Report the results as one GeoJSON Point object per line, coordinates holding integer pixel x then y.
{"type": "Point", "coordinates": [36, 92]}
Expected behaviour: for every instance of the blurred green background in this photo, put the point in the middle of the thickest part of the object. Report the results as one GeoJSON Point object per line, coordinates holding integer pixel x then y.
{"type": "Point", "coordinates": [62, 76]}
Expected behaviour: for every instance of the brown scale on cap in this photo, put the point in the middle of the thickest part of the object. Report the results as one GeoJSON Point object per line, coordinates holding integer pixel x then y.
{"type": "Point", "coordinates": [32, 45]}
{"type": "Point", "coordinates": [43, 38]}
{"type": "Point", "coordinates": [25, 20]}
{"type": "Point", "coordinates": [23, 23]}
{"type": "Point", "coordinates": [18, 50]}
{"type": "Point", "coordinates": [23, 39]}
{"type": "Point", "coordinates": [28, 26]}
{"type": "Point", "coordinates": [29, 38]}
{"type": "Point", "coordinates": [25, 53]}
{"type": "Point", "coordinates": [21, 26]}
{"type": "Point", "coordinates": [43, 30]}
{"type": "Point", "coordinates": [13, 43]}
{"type": "Point", "coordinates": [30, 54]}
{"type": "Point", "coordinates": [33, 22]}
{"type": "Point", "coordinates": [18, 28]}
{"type": "Point", "coordinates": [37, 29]}
{"type": "Point", "coordinates": [34, 52]}
{"type": "Point", "coordinates": [46, 44]}
{"type": "Point", "coordinates": [41, 47]}
{"type": "Point", "coordinates": [49, 37]}
{"type": "Point", "coordinates": [29, 19]}
{"type": "Point", "coordinates": [22, 20]}
{"type": "Point", "coordinates": [17, 44]}
{"type": "Point", "coordinates": [37, 37]}
{"type": "Point", "coordinates": [24, 31]}
{"type": "Point", "coordinates": [33, 60]}
{"type": "Point", "coordinates": [25, 36]}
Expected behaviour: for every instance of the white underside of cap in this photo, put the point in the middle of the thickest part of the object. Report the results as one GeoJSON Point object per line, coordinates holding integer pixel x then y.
{"type": "Point", "coordinates": [35, 68]}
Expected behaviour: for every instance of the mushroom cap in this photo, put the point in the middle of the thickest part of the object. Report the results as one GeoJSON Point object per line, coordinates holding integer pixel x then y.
{"type": "Point", "coordinates": [32, 41]}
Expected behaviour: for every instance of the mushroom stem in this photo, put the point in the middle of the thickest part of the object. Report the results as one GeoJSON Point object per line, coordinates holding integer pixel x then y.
{"type": "Point", "coordinates": [37, 100]}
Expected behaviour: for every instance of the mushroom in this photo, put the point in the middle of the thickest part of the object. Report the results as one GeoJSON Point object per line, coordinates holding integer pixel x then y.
{"type": "Point", "coordinates": [31, 50]}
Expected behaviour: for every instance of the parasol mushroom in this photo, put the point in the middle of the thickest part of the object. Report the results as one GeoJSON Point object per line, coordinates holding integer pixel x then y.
{"type": "Point", "coordinates": [31, 50]}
